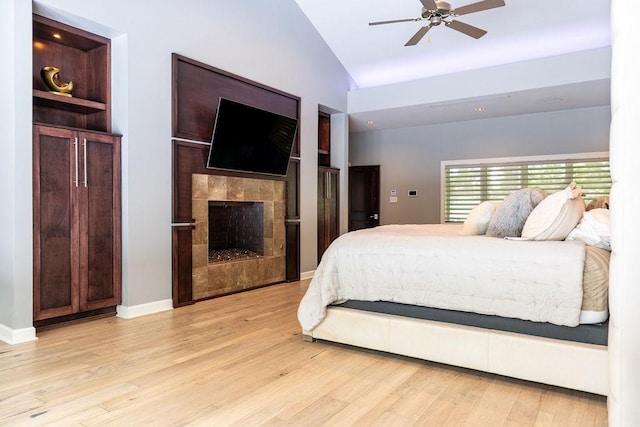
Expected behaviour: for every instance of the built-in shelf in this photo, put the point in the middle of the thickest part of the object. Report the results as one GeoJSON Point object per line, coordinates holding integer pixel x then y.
{"type": "Point", "coordinates": [84, 59]}
{"type": "Point", "coordinates": [42, 98]}
{"type": "Point", "coordinates": [324, 139]}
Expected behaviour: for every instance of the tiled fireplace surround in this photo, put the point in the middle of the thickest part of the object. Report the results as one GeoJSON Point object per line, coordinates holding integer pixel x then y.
{"type": "Point", "coordinates": [211, 279]}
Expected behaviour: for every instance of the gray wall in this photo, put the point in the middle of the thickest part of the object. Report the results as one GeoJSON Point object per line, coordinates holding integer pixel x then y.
{"type": "Point", "coordinates": [16, 270]}
{"type": "Point", "coordinates": [409, 158]}
{"type": "Point", "coordinates": [276, 46]}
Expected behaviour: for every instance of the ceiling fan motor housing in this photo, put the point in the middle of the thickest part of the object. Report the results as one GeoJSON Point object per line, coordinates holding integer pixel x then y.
{"type": "Point", "coordinates": [443, 11]}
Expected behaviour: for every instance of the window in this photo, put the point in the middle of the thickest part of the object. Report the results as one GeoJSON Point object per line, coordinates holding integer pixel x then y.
{"type": "Point", "coordinates": [467, 183]}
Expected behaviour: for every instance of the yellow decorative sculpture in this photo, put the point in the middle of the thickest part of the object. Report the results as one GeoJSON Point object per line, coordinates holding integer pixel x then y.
{"type": "Point", "coordinates": [50, 77]}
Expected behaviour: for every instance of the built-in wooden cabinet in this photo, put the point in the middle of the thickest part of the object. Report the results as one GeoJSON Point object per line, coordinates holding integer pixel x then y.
{"type": "Point", "coordinates": [76, 221]}
{"type": "Point", "coordinates": [292, 221]}
{"type": "Point", "coordinates": [328, 223]}
{"type": "Point", "coordinates": [76, 178]}
{"type": "Point", "coordinates": [84, 59]}
{"type": "Point", "coordinates": [324, 139]}
{"type": "Point", "coordinates": [328, 187]}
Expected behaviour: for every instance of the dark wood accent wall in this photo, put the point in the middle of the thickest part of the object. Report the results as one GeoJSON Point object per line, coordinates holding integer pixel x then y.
{"type": "Point", "coordinates": [196, 89]}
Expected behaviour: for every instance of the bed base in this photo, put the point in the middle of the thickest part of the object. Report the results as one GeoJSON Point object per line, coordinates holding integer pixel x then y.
{"type": "Point", "coordinates": [573, 365]}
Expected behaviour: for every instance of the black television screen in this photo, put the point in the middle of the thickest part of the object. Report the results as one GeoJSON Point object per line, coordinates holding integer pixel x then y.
{"type": "Point", "coordinates": [248, 139]}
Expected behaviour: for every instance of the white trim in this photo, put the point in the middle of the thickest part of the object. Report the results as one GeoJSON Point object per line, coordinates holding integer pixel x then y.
{"type": "Point", "coordinates": [307, 274]}
{"type": "Point", "coordinates": [499, 160]}
{"type": "Point", "coordinates": [541, 158]}
{"type": "Point", "coordinates": [17, 336]}
{"type": "Point", "coordinates": [129, 312]}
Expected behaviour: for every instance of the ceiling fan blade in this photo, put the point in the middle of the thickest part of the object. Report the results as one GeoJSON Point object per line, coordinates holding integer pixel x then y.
{"type": "Point", "coordinates": [467, 29]}
{"type": "Point", "coordinates": [429, 4]}
{"type": "Point", "coordinates": [418, 36]}
{"type": "Point", "coordinates": [477, 7]}
{"type": "Point", "coordinates": [394, 21]}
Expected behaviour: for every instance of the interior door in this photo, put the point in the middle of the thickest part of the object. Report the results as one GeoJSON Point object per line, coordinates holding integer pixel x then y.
{"type": "Point", "coordinates": [364, 197]}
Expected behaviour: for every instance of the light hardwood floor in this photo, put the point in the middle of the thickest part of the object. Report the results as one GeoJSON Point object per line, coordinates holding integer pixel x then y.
{"type": "Point", "coordinates": [240, 360]}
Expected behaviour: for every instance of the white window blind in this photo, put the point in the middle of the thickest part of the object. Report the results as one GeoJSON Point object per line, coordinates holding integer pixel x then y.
{"type": "Point", "coordinates": [465, 186]}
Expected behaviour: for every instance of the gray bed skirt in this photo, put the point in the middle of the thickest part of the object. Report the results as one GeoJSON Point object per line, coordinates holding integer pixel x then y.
{"type": "Point", "coordinates": [591, 334]}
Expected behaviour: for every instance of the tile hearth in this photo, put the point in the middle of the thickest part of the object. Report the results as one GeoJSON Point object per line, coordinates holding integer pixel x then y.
{"type": "Point", "coordinates": [211, 279]}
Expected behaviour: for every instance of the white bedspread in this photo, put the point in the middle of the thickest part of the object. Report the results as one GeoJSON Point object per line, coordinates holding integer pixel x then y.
{"type": "Point", "coordinates": [432, 265]}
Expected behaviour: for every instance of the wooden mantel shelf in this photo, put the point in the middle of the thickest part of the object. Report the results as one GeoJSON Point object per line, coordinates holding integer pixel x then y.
{"type": "Point", "coordinates": [77, 105]}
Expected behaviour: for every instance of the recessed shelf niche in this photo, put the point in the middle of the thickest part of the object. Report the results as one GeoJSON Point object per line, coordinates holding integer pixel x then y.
{"type": "Point", "coordinates": [83, 58]}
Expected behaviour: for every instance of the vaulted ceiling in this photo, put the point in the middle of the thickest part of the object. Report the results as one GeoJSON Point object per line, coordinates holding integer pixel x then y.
{"type": "Point", "coordinates": [521, 30]}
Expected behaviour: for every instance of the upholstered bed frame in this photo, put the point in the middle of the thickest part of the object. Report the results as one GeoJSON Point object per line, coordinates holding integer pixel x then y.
{"type": "Point", "coordinates": [562, 363]}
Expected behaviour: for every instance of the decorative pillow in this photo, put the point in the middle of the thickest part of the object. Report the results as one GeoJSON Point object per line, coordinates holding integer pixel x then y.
{"type": "Point", "coordinates": [478, 219]}
{"type": "Point", "coordinates": [510, 216]}
{"type": "Point", "coordinates": [593, 229]}
{"type": "Point", "coordinates": [555, 216]}
{"type": "Point", "coordinates": [598, 202]}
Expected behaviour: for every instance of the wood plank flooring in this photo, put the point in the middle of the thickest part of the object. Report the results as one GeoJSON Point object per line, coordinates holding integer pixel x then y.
{"type": "Point", "coordinates": [240, 360]}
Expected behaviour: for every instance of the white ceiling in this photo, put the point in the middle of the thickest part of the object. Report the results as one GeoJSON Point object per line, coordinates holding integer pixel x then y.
{"type": "Point", "coordinates": [553, 98]}
{"type": "Point", "coordinates": [520, 31]}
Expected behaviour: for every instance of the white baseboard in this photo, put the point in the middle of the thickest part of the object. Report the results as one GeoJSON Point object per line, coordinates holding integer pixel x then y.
{"type": "Point", "coordinates": [17, 336]}
{"type": "Point", "coordinates": [129, 312]}
{"type": "Point", "coordinates": [307, 274]}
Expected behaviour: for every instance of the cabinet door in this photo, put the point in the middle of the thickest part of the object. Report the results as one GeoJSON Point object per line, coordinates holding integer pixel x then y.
{"type": "Point", "coordinates": [100, 242]}
{"type": "Point", "coordinates": [322, 224]}
{"type": "Point", "coordinates": [331, 206]}
{"type": "Point", "coordinates": [328, 221]}
{"type": "Point", "coordinates": [55, 222]}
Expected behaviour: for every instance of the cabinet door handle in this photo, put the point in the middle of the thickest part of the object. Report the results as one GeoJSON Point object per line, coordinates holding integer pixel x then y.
{"type": "Point", "coordinates": [327, 181]}
{"type": "Point", "coordinates": [75, 146]}
{"type": "Point", "coordinates": [84, 146]}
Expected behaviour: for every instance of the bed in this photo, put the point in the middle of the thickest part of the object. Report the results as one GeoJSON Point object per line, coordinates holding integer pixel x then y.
{"type": "Point", "coordinates": [534, 310]}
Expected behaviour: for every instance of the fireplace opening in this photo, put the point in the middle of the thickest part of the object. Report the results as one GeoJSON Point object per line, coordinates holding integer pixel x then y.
{"type": "Point", "coordinates": [236, 230]}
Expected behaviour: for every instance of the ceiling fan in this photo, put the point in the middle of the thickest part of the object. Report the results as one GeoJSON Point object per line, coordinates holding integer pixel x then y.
{"type": "Point", "coordinates": [439, 12]}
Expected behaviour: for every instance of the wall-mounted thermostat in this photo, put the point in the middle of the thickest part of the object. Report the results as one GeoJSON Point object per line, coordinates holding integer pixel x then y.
{"type": "Point", "coordinates": [412, 193]}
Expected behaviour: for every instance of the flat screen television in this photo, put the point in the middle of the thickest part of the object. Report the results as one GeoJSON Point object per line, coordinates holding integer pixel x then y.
{"type": "Point", "coordinates": [249, 139]}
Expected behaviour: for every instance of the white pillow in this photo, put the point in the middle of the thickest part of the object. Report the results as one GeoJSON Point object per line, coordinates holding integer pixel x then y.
{"type": "Point", "coordinates": [593, 229]}
{"type": "Point", "coordinates": [478, 219]}
{"type": "Point", "coordinates": [555, 216]}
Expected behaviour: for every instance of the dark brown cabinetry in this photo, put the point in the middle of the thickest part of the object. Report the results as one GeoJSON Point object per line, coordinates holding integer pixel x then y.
{"type": "Point", "coordinates": [292, 221]}
{"type": "Point", "coordinates": [328, 223]}
{"type": "Point", "coordinates": [324, 139]}
{"type": "Point", "coordinates": [76, 204]}
{"type": "Point", "coordinates": [328, 187]}
{"type": "Point", "coordinates": [76, 178]}
{"type": "Point", "coordinates": [84, 59]}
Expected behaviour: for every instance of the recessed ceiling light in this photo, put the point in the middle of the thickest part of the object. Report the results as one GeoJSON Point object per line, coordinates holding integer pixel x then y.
{"type": "Point", "coordinates": [57, 36]}
{"type": "Point", "coordinates": [479, 109]}
{"type": "Point", "coordinates": [370, 122]}
{"type": "Point", "coordinates": [551, 100]}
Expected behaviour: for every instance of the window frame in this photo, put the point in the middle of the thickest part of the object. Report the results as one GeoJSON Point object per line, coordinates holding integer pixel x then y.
{"type": "Point", "coordinates": [499, 161]}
